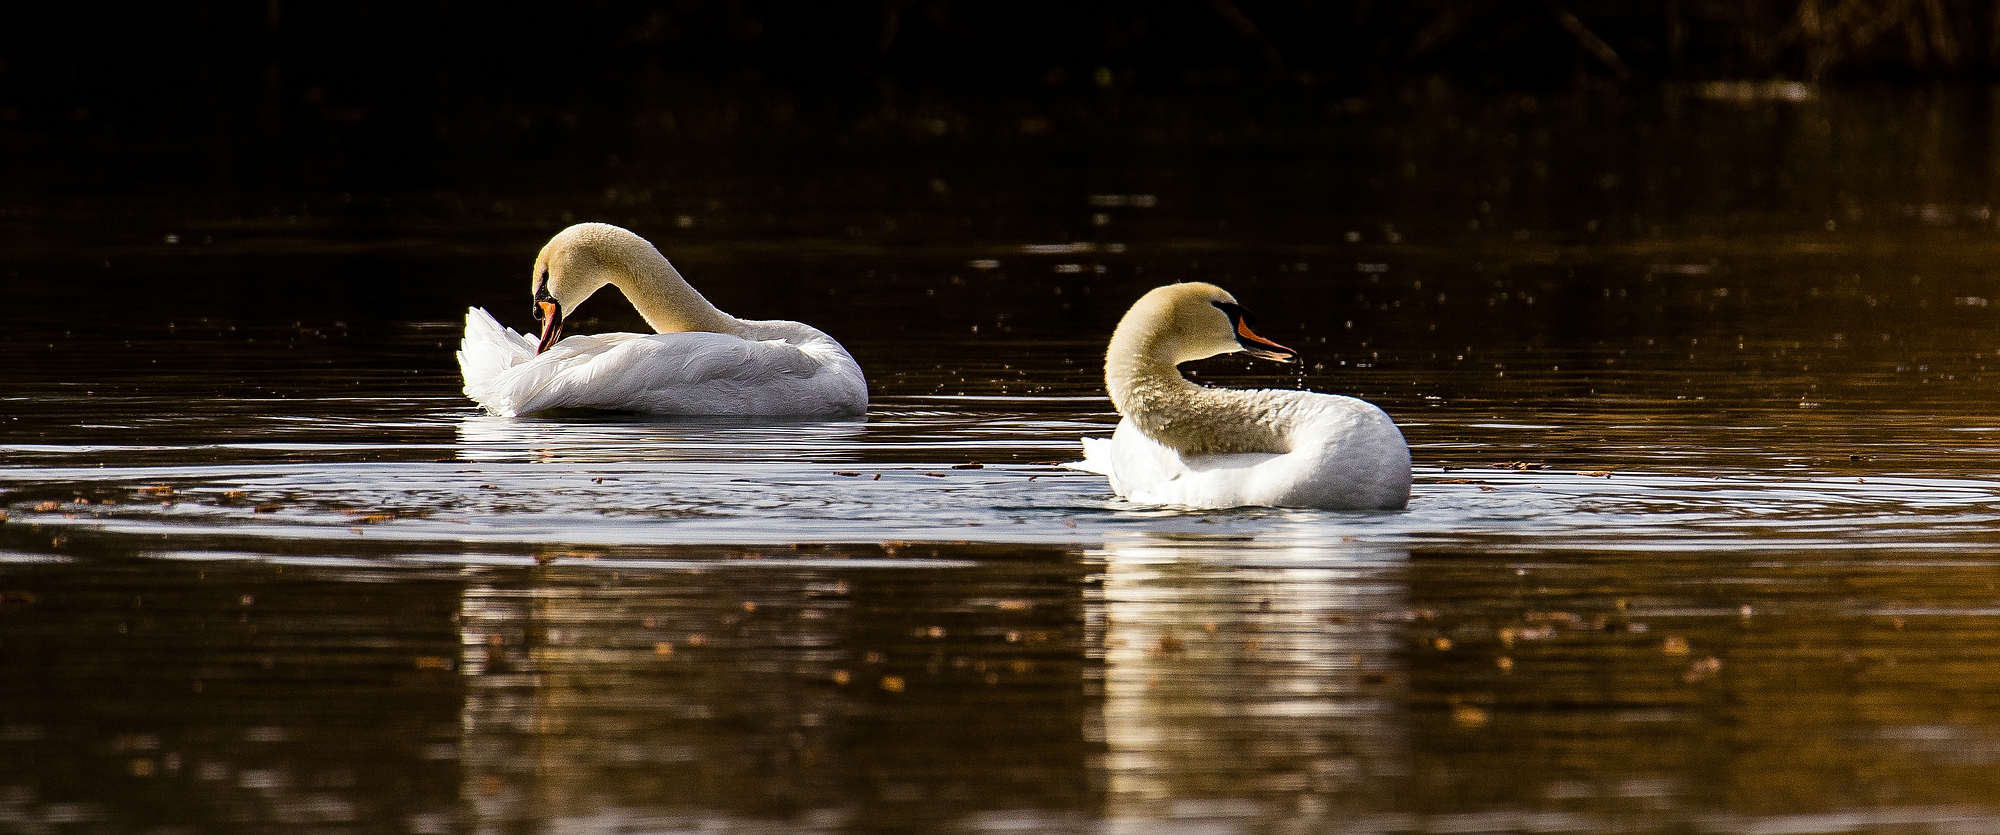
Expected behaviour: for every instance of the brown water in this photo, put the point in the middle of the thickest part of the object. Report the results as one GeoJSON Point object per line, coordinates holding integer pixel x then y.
{"type": "Point", "coordinates": [1703, 537]}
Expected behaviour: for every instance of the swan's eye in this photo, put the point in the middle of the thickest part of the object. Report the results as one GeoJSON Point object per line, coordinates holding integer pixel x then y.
{"type": "Point", "coordinates": [542, 295]}
{"type": "Point", "coordinates": [1237, 315]}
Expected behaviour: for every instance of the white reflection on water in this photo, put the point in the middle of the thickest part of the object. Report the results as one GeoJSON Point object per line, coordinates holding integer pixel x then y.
{"type": "Point", "coordinates": [1247, 683]}
{"type": "Point", "coordinates": [485, 438]}
{"type": "Point", "coordinates": [787, 699]}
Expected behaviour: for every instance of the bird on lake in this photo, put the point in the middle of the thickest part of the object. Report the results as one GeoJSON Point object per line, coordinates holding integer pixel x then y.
{"type": "Point", "coordinates": [1186, 445]}
{"type": "Point", "coordinates": [700, 361]}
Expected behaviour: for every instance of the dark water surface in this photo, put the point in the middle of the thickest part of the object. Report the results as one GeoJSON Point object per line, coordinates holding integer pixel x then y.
{"type": "Point", "coordinates": [1704, 537]}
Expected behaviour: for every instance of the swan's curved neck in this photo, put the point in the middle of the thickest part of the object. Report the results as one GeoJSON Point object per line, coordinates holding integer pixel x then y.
{"type": "Point", "coordinates": [666, 301]}
{"type": "Point", "coordinates": [1145, 382]}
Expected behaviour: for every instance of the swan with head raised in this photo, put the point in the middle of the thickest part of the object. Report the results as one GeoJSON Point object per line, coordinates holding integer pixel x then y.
{"type": "Point", "coordinates": [1186, 445]}
{"type": "Point", "coordinates": [701, 361]}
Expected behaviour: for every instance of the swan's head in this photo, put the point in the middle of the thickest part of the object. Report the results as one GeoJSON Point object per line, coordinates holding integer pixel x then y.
{"type": "Point", "coordinates": [587, 256]}
{"type": "Point", "coordinates": [1186, 322]}
{"type": "Point", "coordinates": [572, 266]}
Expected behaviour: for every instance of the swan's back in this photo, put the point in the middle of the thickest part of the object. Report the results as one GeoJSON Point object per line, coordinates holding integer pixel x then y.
{"type": "Point", "coordinates": [780, 369]}
{"type": "Point", "coordinates": [1343, 453]}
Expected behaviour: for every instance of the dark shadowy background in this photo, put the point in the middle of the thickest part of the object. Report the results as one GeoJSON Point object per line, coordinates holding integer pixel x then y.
{"type": "Point", "coordinates": [374, 94]}
{"type": "Point", "coordinates": [286, 161]}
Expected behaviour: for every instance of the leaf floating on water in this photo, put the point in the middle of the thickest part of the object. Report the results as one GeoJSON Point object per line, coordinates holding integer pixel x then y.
{"type": "Point", "coordinates": [1596, 474]}
{"type": "Point", "coordinates": [663, 649]}
{"type": "Point", "coordinates": [846, 474]}
{"type": "Point", "coordinates": [434, 662]}
{"type": "Point", "coordinates": [267, 508]}
{"type": "Point", "coordinates": [47, 507]}
{"type": "Point", "coordinates": [1467, 716]}
{"type": "Point", "coordinates": [971, 466]}
{"type": "Point", "coordinates": [1705, 668]}
{"type": "Point", "coordinates": [893, 684]}
{"type": "Point", "coordinates": [1674, 645]}
{"type": "Point", "coordinates": [233, 495]}
{"type": "Point", "coordinates": [1511, 634]}
{"type": "Point", "coordinates": [156, 490]}
{"type": "Point", "coordinates": [842, 677]}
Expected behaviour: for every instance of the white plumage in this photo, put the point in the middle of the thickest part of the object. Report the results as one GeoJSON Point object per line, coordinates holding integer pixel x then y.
{"type": "Point", "coordinates": [1184, 445]}
{"type": "Point", "coordinates": [791, 370]}
{"type": "Point", "coordinates": [1345, 454]}
{"type": "Point", "coordinates": [702, 362]}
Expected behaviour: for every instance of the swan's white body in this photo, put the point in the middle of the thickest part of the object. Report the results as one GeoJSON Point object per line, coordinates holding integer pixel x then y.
{"type": "Point", "coordinates": [1345, 454]}
{"type": "Point", "coordinates": [771, 368]}
{"type": "Point", "coordinates": [1183, 445]}
{"type": "Point", "coordinates": [702, 362]}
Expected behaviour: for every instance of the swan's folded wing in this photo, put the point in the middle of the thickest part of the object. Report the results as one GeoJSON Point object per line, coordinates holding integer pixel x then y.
{"type": "Point", "coordinates": [485, 353]}
{"type": "Point", "coordinates": [686, 374]}
{"type": "Point", "coordinates": [1145, 471]}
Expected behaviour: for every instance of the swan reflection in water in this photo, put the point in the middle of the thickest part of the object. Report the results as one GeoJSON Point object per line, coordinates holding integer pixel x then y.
{"type": "Point", "coordinates": [620, 438]}
{"type": "Point", "coordinates": [1249, 682]}
{"type": "Point", "coordinates": [865, 689]}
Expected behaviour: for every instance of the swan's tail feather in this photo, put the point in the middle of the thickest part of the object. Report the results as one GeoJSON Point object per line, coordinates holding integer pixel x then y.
{"type": "Point", "coordinates": [1096, 457]}
{"type": "Point", "coordinates": [484, 355]}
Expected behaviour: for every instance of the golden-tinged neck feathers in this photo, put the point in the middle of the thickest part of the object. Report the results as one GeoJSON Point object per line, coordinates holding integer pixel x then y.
{"type": "Point", "coordinates": [587, 256]}
{"type": "Point", "coordinates": [1166, 327]}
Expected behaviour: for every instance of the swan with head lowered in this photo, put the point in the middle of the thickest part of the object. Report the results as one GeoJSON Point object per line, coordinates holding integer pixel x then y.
{"type": "Point", "coordinates": [1185, 445]}
{"type": "Point", "coordinates": [701, 361]}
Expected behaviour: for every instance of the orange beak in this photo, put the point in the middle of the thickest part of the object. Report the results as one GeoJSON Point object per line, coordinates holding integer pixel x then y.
{"type": "Point", "coordinates": [550, 313]}
{"type": "Point", "coordinates": [1260, 347]}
